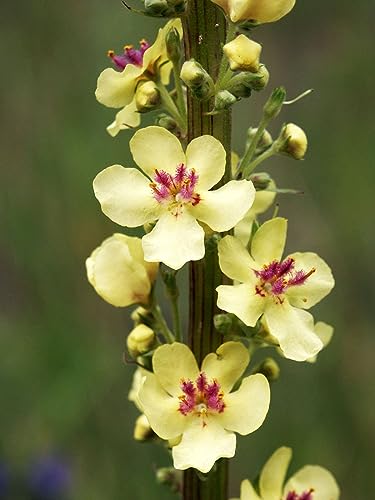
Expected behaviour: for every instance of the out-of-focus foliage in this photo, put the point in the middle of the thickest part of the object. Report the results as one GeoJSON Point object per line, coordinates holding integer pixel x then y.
{"type": "Point", "coordinates": [63, 384]}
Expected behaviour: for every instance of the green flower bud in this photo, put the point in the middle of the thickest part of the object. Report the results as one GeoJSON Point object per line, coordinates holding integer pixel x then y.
{"type": "Point", "coordinates": [262, 78]}
{"type": "Point", "coordinates": [274, 104]}
{"type": "Point", "coordinates": [265, 141]}
{"type": "Point", "coordinates": [293, 141]}
{"type": "Point", "coordinates": [173, 42]}
{"type": "Point", "coordinates": [260, 180]}
{"type": "Point", "coordinates": [140, 340]}
{"type": "Point", "coordinates": [147, 97]}
{"type": "Point", "coordinates": [166, 121]}
{"type": "Point", "coordinates": [197, 79]}
{"type": "Point", "coordinates": [142, 429]}
{"type": "Point", "coordinates": [170, 477]}
{"type": "Point", "coordinates": [223, 323]}
{"type": "Point", "coordinates": [269, 368]}
{"type": "Point", "coordinates": [156, 7]}
{"type": "Point", "coordinates": [224, 100]}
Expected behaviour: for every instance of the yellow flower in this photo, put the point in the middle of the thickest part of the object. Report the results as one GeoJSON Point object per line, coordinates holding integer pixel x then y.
{"type": "Point", "coordinates": [176, 197]}
{"type": "Point", "coordinates": [312, 482]}
{"type": "Point", "coordinates": [140, 340]}
{"type": "Point", "coordinates": [196, 408]}
{"type": "Point", "coordinates": [243, 54]}
{"type": "Point", "coordinates": [117, 89]}
{"type": "Point", "coordinates": [279, 289]}
{"type": "Point", "coordinates": [260, 11]}
{"type": "Point", "coordinates": [119, 273]}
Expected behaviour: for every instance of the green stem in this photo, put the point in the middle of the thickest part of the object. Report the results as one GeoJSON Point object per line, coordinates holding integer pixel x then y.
{"type": "Point", "coordinates": [169, 105]}
{"type": "Point", "coordinates": [161, 325]}
{"type": "Point", "coordinates": [180, 91]}
{"type": "Point", "coordinates": [204, 34]}
{"type": "Point", "coordinates": [231, 31]}
{"type": "Point", "coordinates": [245, 166]}
{"type": "Point", "coordinates": [271, 151]}
{"type": "Point", "coordinates": [176, 319]}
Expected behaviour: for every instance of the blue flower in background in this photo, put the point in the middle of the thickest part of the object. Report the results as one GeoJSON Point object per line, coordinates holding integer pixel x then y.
{"type": "Point", "coordinates": [4, 480]}
{"type": "Point", "coordinates": [49, 478]}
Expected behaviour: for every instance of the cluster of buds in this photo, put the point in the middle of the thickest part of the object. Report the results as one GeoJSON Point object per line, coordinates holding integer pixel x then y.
{"type": "Point", "coordinates": [164, 8]}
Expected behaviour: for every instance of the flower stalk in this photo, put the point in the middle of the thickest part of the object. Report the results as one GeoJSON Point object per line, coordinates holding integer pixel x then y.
{"type": "Point", "coordinates": [205, 33]}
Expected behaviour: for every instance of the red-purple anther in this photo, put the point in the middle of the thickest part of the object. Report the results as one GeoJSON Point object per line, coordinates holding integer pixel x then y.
{"type": "Point", "coordinates": [129, 56]}
{"type": "Point", "coordinates": [201, 397]}
{"type": "Point", "coordinates": [306, 495]}
{"type": "Point", "coordinates": [178, 189]}
{"type": "Point", "coordinates": [275, 278]}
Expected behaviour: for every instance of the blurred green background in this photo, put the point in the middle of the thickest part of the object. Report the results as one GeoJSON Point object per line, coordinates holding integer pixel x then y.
{"type": "Point", "coordinates": [63, 383]}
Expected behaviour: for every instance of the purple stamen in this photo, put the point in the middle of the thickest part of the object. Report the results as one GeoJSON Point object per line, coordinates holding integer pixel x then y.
{"type": "Point", "coordinates": [178, 189]}
{"type": "Point", "coordinates": [277, 277]}
{"type": "Point", "coordinates": [306, 495]}
{"type": "Point", "coordinates": [201, 396]}
{"type": "Point", "coordinates": [129, 56]}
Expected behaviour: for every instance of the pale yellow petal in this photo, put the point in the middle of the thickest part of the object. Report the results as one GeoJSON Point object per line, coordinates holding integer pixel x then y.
{"type": "Point", "coordinates": [314, 477]}
{"type": "Point", "coordinates": [316, 287]}
{"type": "Point", "coordinates": [125, 196]}
{"type": "Point", "coordinates": [235, 260]}
{"type": "Point", "coordinates": [127, 118]}
{"type": "Point", "coordinates": [207, 156]}
{"type": "Point", "coordinates": [118, 275]}
{"type": "Point", "coordinates": [174, 240]}
{"type": "Point", "coordinates": [161, 409]}
{"type": "Point", "coordinates": [137, 382]}
{"type": "Point", "coordinates": [324, 331]}
{"type": "Point", "coordinates": [156, 148]}
{"type": "Point", "coordinates": [201, 445]}
{"type": "Point", "coordinates": [273, 474]}
{"type": "Point", "coordinates": [224, 208]}
{"type": "Point", "coordinates": [295, 332]}
{"type": "Point", "coordinates": [227, 364]}
{"type": "Point", "coordinates": [173, 363]}
{"type": "Point", "coordinates": [248, 492]}
{"type": "Point", "coordinates": [261, 11]}
{"type": "Point", "coordinates": [116, 89]}
{"type": "Point", "coordinates": [269, 241]}
{"type": "Point", "coordinates": [242, 301]}
{"type": "Point", "coordinates": [136, 250]}
{"type": "Point", "coordinates": [246, 408]}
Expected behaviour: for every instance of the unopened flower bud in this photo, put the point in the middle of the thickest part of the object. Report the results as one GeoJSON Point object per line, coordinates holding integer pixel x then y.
{"type": "Point", "coordinates": [166, 121]}
{"type": "Point", "coordinates": [262, 78]}
{"type": "Point", "coordinates": [242, 84]}
{"type": "Point", "coordinates": [269, 368]}
{"type": "Point", "coordinates": [170, 477]}
{"type": "Point", "coordinates": [243, 54]}
{"type": "Point", "coordinates": [274, 103]}
{"type": "Point", "coordinates": [293, 141]}
{"type": "Point", "coordinates": [173, 43]}
{"type": "Point", "coordinates": [118, 272]}
{"type": "Point", "coordinates": [140, 340]}
{"type": "Point", "coordinates": [197, 79]}
{"type": "Point", "coordinates": [142, 315]}
{"type": "Point", "coordinates": [261, 180]}
{"type": "Point", "coordinates": [156, 7]}
{"type": "Point", "coordinates": [147, 97]}
{"type": "Point", "coordinates": [223, 323]}
{"type": "Point", "coordinates": [264, 142]}
{"type": "Point", "coordinates": [142, 429]}
{"type": "Point", "coordinates": [224, 100]}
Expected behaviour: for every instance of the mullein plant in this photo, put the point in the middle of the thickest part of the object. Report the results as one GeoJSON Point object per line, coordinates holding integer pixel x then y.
{"type": "Point", "coordinates": [198, 205]}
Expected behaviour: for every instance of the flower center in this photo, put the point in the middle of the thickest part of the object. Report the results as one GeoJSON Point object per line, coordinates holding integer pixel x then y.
{"type": "Point", "coordinates": [275, 278]}
{"type": "Point", "coordinates": [129, 56]}
{"type": "Point", "coordinates": [201, 397]}
{"type": "Point", "coordinates": [306, 495]}
{"type": "Point", "coordinates": [176, 190]}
